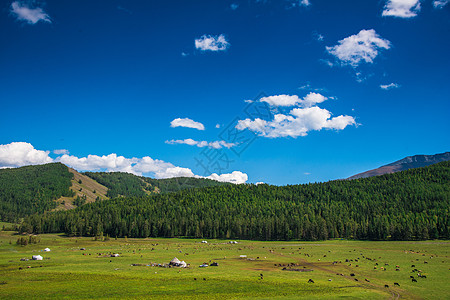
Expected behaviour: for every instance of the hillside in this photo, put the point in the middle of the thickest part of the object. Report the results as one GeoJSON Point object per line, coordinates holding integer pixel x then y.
{"type": "Point", "coordinates": [129, 185]}
{"type": "Point", "coordinates": [32, 189]}
{"type": "Point", "coordinates": [86, 190]}
{"type": "Point", "coordinates": [404, 164]}
{"type": "Point", "coordinates": [412, 204]}
{"type": "Point", "coordinates": [36, 189]}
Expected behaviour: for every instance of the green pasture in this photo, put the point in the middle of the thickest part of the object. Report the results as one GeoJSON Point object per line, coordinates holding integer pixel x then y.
{"type": "Point", "coordinates": [68, 272]}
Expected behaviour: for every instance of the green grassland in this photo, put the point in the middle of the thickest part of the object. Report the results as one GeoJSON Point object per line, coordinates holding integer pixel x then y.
{"type": "Point", "coordinates": [68, 272]}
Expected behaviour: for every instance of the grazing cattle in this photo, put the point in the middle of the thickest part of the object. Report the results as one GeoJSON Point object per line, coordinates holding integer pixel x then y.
{"type": "Point", "coordinates": [386, 286]}
{"type": "Point", "coordinates": [412, 277]}
{"type": "Point", "coordinates": [425, 262]}
{"type": "Point", "coordinates": [204, 278]}
{"type": "Point", "coordinates": [310, 281]}
{"type": "Point", "coordinates": [356, 279]}
{"type": "Point", "coordinates": [413, 280]}
{"type": "Point", "coordinates": [413, 266]}
{"type": "Point", "coordinates": [367, 280]}
{"type": "Point", "coordinates": [352, 274]}
{"type": "Point", "coordinates": [396, 284]}
{"type": "Point", "coordinates": [195, 278]}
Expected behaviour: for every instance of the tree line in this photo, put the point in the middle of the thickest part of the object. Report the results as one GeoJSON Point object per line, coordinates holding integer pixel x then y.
{"type": "Point", "coordinates": [408, 205]}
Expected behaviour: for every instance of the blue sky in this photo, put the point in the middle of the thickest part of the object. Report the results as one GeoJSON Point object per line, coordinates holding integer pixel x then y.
{"type": "Point", "coordinates": [163, 88]}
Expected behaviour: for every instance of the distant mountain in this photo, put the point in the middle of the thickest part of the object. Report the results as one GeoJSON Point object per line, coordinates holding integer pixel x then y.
{"type": "Point", "coordinates": [406, 163]}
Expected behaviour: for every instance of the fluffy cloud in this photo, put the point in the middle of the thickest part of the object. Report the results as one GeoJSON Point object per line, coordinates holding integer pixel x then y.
{"type": "Point", "coordinates": [212, 43]}
{"type": "Point", "coordinates": [299, 121]}
{"type": "Point", "coordinates": [440, 3]}
{"type": "Point", "coordinates": [296, 3]}
{"type": "Point", "coordinates": [359, 48]}
{"type": "Point", "coordinates": [31, 15]}
{"type": "Point", "coordinates": [401, 8]}
{"type": "Point", "coordinates": [292, 100]}
{"type": "Point", "coordinates": [186, 122]}
{"type": "Point", "coordinates": [281, 100]}
{"type": "Point", "coordinates": [20, 154]}
{"type": "Point", "coordinates": [234, 6]}
{"type": "Point", "coordinates": [236, 177]}
{"type": "Point", "coordinates": [201, 144]}
{"type": "Point", "coordinates": [389, 86]}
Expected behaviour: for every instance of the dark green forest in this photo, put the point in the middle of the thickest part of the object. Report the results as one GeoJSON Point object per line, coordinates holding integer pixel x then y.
{"type": "Point", "coordinates": [32, 189]}
{"type": "Point", "coordinates": [129, 185]}
{"type": "Point", "coordinates": [408, 205]}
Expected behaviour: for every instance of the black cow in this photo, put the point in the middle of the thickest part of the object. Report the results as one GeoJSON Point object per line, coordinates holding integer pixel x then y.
{"type": "Point", "coordinates": [310, 281]}
{"type": "Point", "coordinates": [396, 284]}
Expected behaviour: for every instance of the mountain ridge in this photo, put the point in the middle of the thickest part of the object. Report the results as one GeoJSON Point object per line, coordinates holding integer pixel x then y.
{"type": "Point", "coordinates": [409, 162]}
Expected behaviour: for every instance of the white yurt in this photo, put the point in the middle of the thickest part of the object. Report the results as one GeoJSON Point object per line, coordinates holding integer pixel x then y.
{"type": "Point", "coordinates": [175, 262]}
{"type": "Point", "coordinates": [36, 257]}
{"type": "Point", "coordinates": [182, 264]}
{"type": "Point", "coordinates": [47, 250]}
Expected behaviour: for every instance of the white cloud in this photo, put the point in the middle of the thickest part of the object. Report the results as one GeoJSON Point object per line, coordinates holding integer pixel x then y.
{"type": "Point", "coordinates": [297, 3]}
{"type": "Point", "coordinates": [186, 122]}
{"type": "Point", "coordinates": [438, 4]}
{"type": "Point", "coordinates": [317, 36]}
{"type": "Point", "coordinates": [234, 6]}
{"type": "Point", "coordinates": [236, 177]}
{"type": "Point", "coordinates": [212, 43]}
{"type": "Point", "coordinates": [217, 125]}
{"type": "Point", "coordinates": [61, 151]}
{"type": "Point", "coordinates": [292, 100]}
{"type": "Point", "coordinates": [389, 86]}
{"type": "Point", "coordinates": [30, 15]}
{"type": "Point", "coordinates": [401, 8]}
{"type": "Point", "coordinates": [201, 144]}
{"type": "Point", "coordinates": [19, 154]}
{"type": "Point", "coordinates": [359, 48]}
{"type": "Point", "coordinates": [184, 54]}
{"type": "Point", "coordinates": [297, 123]}
{"type": "Point", "coordinates": [281, 100]}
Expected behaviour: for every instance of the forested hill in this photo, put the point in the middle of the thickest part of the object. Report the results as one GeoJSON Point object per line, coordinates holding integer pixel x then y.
{"type": "Point", "coordinates": [412, 204]}
{"type": "Point", "coordinates": [36, 189]}
{"type": "Point", "coordinates": [126, 184]}
{"type": "Point", "coordinates": [32, 189]}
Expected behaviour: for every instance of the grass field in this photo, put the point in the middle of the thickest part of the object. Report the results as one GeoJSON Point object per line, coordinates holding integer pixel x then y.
{"type": "Point", "coordinates": [68, 272]}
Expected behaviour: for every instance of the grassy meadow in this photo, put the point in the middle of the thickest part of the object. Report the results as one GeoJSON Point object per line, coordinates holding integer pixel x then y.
{"type": "Point", "coordinates": [68, 272]}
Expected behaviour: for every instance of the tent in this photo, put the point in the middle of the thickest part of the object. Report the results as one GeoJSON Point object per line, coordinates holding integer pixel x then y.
{"type": "Point", "coordinates": [175, 262]}
{"type": "Point", "coordinates": [182, 264]}
{"type": "Point", "coordinates": [36, 257]}
{"type": "Point", "coordinates": [47, 250]}
{"type": "Point", "coordinates": [115, 255]}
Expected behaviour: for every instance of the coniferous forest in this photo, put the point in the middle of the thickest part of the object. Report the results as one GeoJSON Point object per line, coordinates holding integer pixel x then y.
{"type": "Point", "coordinates": [32, 189]}
{"type": "Point", "coordinates": [126, 184]}
{"type": "Point", "coordinates": [408, 205]}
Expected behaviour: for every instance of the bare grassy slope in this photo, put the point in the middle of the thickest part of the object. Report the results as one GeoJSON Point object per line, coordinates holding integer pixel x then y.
{"type": "Point", "coordinates": [83, 186]}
